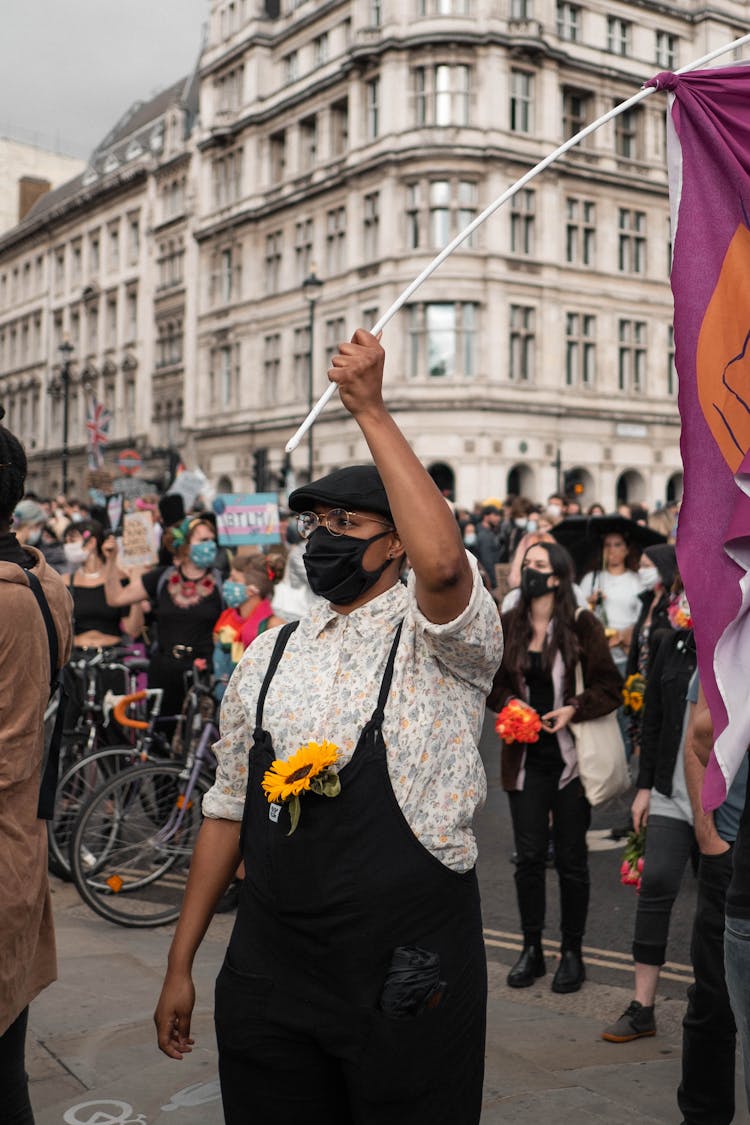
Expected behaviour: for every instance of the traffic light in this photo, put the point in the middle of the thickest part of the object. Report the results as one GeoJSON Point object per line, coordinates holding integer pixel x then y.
{"type": "Point", "coordinates": [260, 469]}
{"type": "Point", "coordinates": [572, 483]}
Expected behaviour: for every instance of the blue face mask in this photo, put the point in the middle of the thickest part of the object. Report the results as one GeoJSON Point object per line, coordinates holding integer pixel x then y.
{"type": "Point", "coordinates": [235, 593]}
{"type": "Point", "coordinates": [203, 553]}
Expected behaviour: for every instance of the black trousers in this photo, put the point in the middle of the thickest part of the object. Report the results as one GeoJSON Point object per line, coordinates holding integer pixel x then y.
{"type": "Point", "coordinates": [530, 810]}
{"type": "Point", "coordinates": [14, 1083]}
{"type": "Point", "coordinates": [706, 1092]}
{"type": "Point", "coordinates": [668, 845]}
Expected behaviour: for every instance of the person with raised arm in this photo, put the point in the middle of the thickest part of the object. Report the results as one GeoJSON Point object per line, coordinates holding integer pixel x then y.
{"type": "Point", "coordinates": [356, 965]}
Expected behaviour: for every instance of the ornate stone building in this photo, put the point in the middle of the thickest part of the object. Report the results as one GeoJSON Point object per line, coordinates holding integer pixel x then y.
{"type": "Point", "coordinates": [355, 138]}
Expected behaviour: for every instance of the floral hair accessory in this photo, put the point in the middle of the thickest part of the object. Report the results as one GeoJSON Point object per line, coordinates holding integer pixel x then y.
{"type": "Point", "coordinates": [631, 869]}
{"type": "Point", "coordinates": [678, 612]}
{"type": "Point", "coordinates": [633, 693]}
{"type": "Point", "coordinates": [307, 771]}
{"type": "Point", "coordinates": [517, 722]}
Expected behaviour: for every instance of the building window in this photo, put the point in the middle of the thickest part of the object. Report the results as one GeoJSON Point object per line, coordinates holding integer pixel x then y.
{"type": "Point", "coordinates": [376, 13]}
{"type": "Point", "coordinates": [442, 339]}
{"type": "Point", "coordinates": [568, 21]}
{"type": "Point", "coordinates": [580, 231]}
{"type": "Point", "coordinates": [618, 35]}
{"type": "Point", "coordinates": [443, 8]}
{"type": "Point", "coordinates": [339, 127]}
{"type": "Point", "coordinates": [335, 334]}
{"type": "Point", "coordinates": [170, 263]}
{"type": "Point", "coordinates": [134, 238]}
{"type": "Point", "coordinates": [576, 105]}
{"type": "Point", "coordinates": [227, 178]}
{"type": "Point", "coordinates": [229, 90]}
{"type": "Point", "coordinates": [452, 205]}
{"type": "Point", "coordinates": [290, 63]}
{"type": "Point", "coordinates": [627, 134]}
{"type": "Point", "coordinates": [94, 254]}
{"type": "Point", "coordinates": [303, 245]}
{"type": "Point", "coordinates": [631, 254]}
{"type": "Point", "coordinates": [522, 210]}
{"type": "Point", "coordinates": [131, 309]}
{"type": "Point", "coordinates": [75, 262]}
{"type": "Point", "coordinates": [442, 94]}
{"type": "Point", "coordinates": [114, 248]}
{"type": "Point", "coordinates": [521, 101]}
{"type": "Point", "coordinates": [59, 270]}
{"type": "Point", "coordinates": [226, 387]}
{"type": "Point", "coordinates": [666, 50]}
{"type": "Point", "coordinates": [169, 343]}
{"type": "Point", "coordinates": [522, 343]}
{"type": "Point", "coordinates": [336, 240]}
{"type": "Point", "coordinates": [520, 9]}
{"type": "Point", "coordinates": [301, 362]}
{"type": "Point", "coordinates": [371, 226]}
{"type": "Point", "coordinates": [321, 49]}
{"type": "Point", "coordinates": [580, 349]}
{"type": "Point", "coordinates": [274, 253]}
{"type": "Point", "coordinates": [225, 278]}
{"type": "Point", "coordinates": [271, 368]}
{"type": "Point", "coordinates": [308, 143]}
{"type": "Point", "coordinates": [111, 322]}
{"type": "Point", "coordinates": [372, 108]}
{"type": "Point", "coordinates": [277, 156]}
{"type": "Point", "coordinates": [631, 365]}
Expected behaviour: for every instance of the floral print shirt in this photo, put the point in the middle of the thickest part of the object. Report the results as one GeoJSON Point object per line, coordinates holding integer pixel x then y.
{"type": "Point", "coordinates": [326, 687]}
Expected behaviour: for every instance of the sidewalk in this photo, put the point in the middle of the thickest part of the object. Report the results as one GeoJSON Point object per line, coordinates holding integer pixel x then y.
{"type": "Point", "coordinates": [92, 1056]}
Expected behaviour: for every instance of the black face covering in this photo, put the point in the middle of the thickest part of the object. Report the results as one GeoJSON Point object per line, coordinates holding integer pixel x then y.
{"type": "Point", "coordinates": [534, 583]}
{"type": "Point", "coordinates": [334, 566]}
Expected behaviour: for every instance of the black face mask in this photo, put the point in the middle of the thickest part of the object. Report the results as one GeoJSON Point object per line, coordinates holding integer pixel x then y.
{"type": "Point", "coordinates": [334, 566]}
{"type": "Point", "coordinates": [534, 583]}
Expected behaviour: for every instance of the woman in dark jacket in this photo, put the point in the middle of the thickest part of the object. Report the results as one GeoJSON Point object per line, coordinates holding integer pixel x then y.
{"type": "Point", "coordinates": [662, 801]}
{"type": "Point", "coordinates": [545, 638]}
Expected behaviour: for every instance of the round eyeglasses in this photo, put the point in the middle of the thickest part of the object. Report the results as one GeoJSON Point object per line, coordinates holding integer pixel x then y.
{"type": "Point", "coordinates": [337, 521]}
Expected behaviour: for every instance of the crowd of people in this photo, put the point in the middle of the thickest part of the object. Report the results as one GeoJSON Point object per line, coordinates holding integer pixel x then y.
{"type": "Point", "coordinates": [354, 661]}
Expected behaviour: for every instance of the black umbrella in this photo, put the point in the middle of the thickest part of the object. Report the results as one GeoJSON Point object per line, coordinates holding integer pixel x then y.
{"type": "Point", "coordinates": [582, 536]}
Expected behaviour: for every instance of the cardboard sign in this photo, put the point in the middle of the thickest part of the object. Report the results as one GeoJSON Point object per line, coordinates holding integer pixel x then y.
{"type": "Point", "coordinates": [138, 545]}
{"type": "Point", "coordinates": [190, 484]}
{"type": "Point", "coordinates": [247, 517]}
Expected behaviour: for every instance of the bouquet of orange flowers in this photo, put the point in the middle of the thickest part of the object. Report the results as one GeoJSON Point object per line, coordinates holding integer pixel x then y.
{"type": "Point", "coordinates": [517, 722]}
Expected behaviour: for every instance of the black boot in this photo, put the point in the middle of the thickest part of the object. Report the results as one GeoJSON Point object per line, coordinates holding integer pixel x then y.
{"type": "Point", "coordinates": [527, 968]}
{"type": "Point", "coordinates": [570, 973]}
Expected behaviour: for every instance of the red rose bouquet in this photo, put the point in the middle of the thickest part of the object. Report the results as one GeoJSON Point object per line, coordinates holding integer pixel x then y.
{"type": "Point", "coordinates": [517, 722]}
{"type": "Point", "coordinates": [631, 869]}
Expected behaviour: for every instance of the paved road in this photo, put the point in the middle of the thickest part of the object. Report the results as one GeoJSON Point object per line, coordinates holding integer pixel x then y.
{"type": "Point", "coordinates": [92, 1058]}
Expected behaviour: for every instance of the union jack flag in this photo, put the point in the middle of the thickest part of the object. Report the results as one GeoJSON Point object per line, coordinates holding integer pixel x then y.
{"type": "Point", "coordinates": [97, 427]}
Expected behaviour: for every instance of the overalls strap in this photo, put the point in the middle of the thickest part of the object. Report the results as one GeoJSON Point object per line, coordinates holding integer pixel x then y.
{"type": "Point", "coordinates": [385, 687]}
{"type": "Point", "coordinates": [284, 634]}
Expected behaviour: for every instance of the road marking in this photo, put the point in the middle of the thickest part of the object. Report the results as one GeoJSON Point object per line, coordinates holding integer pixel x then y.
{"type": "Point", "coordinates": [600, 840]}
{"type": "Point", "coordinates": [604, 958]}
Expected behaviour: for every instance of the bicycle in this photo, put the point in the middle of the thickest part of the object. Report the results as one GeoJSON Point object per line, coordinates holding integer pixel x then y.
{"type": "Point", "coordinates": [133, 841]}
{"type": "Point", "coordinates": [83, 776]}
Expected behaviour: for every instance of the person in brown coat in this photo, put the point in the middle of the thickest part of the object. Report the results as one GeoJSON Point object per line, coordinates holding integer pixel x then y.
{"type": "Point", "coordinates": [546, 637]}
{"type": "Point", "coordinates": [27, 940]}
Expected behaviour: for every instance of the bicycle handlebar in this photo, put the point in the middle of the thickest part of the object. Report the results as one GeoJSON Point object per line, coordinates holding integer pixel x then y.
{"type": "Point", "coordinates": [120, 711]}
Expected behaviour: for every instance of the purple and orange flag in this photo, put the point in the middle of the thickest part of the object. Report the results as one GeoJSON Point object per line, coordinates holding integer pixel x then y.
{"type": "Point", "coordinates": [709, 180]}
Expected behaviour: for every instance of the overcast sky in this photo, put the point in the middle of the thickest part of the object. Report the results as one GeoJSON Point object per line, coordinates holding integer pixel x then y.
{"type": "Point", "coordinates": [69, 69]}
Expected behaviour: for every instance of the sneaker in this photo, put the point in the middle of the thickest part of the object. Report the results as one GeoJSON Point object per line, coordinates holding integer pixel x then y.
{"type": "Point", "coordinates": [636, 1022]}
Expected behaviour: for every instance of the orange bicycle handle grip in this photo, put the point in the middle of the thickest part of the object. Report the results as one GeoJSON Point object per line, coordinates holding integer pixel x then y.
{"type": "Point", "coordinates": [120, 711]}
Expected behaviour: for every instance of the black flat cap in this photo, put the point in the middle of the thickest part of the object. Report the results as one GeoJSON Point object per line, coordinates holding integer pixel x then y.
{"type": "Point", "coordinates": [356, 488]}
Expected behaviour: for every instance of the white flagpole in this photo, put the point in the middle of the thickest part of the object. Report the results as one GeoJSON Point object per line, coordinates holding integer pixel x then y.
{"type": "Point", "coordinates": [644, 92]}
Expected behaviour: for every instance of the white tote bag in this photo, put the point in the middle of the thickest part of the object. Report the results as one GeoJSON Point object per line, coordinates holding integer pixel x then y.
{"type": "Point", "coordinates": [600, 748]}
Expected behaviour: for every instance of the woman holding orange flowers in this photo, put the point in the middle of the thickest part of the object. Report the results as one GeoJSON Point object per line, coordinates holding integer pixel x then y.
{"type": "Point", "coordinates": [546, 637]}
{"type": "Point", "coordinates": [354, 985]}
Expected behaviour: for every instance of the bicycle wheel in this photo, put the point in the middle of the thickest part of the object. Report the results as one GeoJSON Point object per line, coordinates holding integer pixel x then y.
{"type": "Point", "coordinates": [77, 784]}
{"type": "Point", "coordinates": [131, 849]}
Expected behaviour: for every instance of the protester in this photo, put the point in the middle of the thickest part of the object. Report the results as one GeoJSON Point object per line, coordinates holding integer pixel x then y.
{"type": "Point", "coordinates": [27, 942]}
{"type": "Point", "coordinates": [186, 602]}
{"type": "Point", "coordinates": [487, 545]}
{"type": "Point", "coordinates": [247, 593]}
{"type": "Point", "coordinates": [97, 624]}
{"type": "Point", "coordinates": [709, 1039]}
{"type": "Point", "coordinates": [662, 803]}
{"type": "Point", "coordinates": [545, 638]}
{"type": "Point", "coordinates": [380, 877]}
{"type": "Point", "coordinates": [737, 939]}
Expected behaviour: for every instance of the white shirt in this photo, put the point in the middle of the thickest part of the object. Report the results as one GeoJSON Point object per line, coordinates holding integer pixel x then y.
{"type": "Point", "coordinates": [621, 596]}
{"type": "Point", "coordinates": [326, 687]}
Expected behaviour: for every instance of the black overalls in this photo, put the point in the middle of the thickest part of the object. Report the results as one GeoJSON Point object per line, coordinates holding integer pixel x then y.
{"type": "Point", "coordinates": [301, 1037]}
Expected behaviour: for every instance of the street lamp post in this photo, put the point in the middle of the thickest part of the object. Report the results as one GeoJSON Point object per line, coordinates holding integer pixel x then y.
{"type": "Point", "coordinates": [66, 351]}
{"type": "Point", "coordinates": [311, 287]}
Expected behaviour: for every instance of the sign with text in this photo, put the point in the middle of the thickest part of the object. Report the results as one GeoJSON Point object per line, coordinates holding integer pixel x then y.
{"type": "Point", "coordinates": [138, 546]}
{"type": "Point", "coordinates": [247, 517]}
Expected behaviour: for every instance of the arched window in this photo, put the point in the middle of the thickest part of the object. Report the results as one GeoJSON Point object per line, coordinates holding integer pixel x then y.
{"type": "Point", "coordinates": [444, 478]}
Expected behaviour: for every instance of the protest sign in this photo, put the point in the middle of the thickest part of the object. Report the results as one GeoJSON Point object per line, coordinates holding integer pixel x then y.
{"type": "Point", "coordinates": [138, 545]}
{"type": "Point", "coordinates": [247, 517]}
